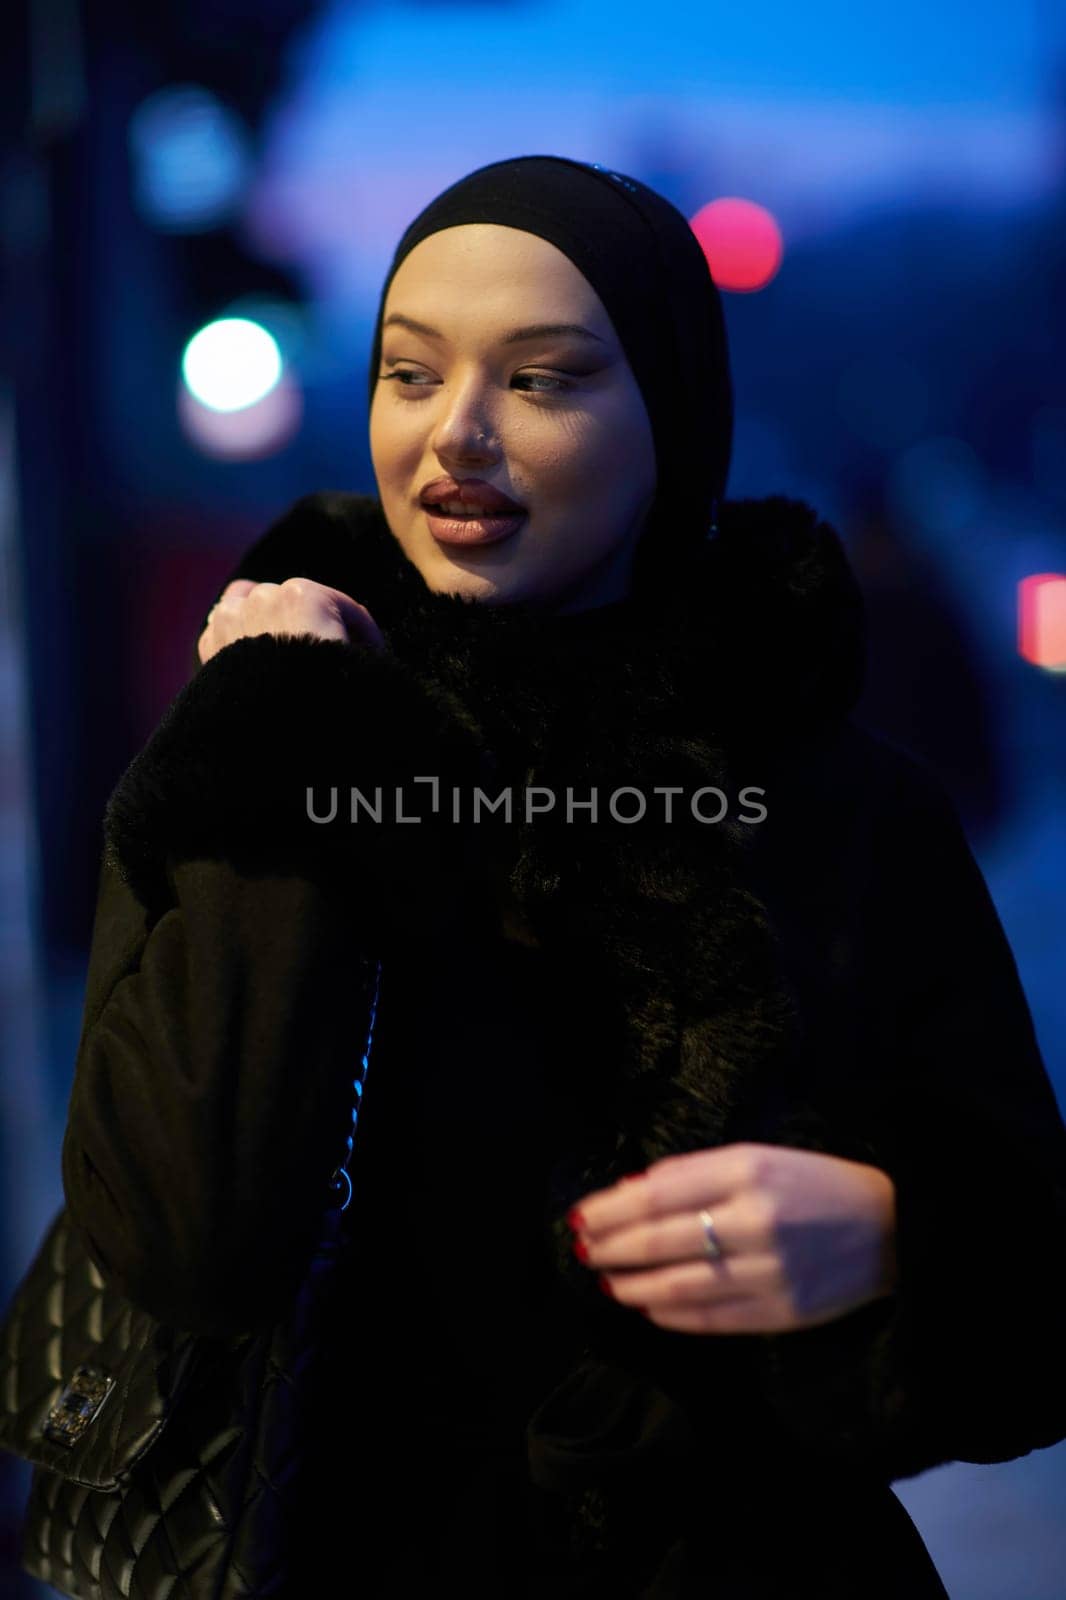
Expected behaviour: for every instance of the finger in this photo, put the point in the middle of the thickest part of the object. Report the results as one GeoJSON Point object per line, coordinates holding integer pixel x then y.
{"type": "Point", "coordinates": [676, 1183]}
{"type": "Point", "coordinates": [694, 1283]}
{"type": "Point", "coordinates": [238, 587]}
{"type": "Point", "coordinates": [677, 1237]}
{"type": "Point", "coordinates": [357, 620]}
{"type": "Point", "coordinates": [234, 596]}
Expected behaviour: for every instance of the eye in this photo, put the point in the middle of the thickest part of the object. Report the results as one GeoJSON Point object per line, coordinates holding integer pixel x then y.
{"type": "Point", "coordinates": [544, 377]}
{"type": "Point", "coordinates": [402, 374]}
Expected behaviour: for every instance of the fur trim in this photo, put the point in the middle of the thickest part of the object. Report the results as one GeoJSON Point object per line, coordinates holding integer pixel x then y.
{"type": "Point", "coordinates": [677, 1026]}
{"type": "Point", "coordinates": [660, 955]}
{"type": "Point", "coordinates": [271, 724]}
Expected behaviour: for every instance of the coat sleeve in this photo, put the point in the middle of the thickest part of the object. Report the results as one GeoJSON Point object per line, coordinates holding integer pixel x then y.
{"type": "Point", "coordinates": [312, 755]}
{"type": "Point", "coordinates": [227, 996]}
{"type": "Point", "coordinates": [965, 1360]}
{"type": "Point", "coordinates": [212, 1090]}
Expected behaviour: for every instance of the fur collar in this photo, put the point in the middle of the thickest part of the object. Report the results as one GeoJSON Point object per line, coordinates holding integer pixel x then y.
{"type": "Point", "coordinates": [655, 958]}
{"type": "Point", "coordinates": [655, 947]}
{"type": "Point", "coordinates": [763, 626]}
{"type": "Point", "coordinates": [655, 963]}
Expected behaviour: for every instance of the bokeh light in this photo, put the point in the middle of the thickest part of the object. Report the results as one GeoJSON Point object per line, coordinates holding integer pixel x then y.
{"type": "Point", "coordinates": [190, 157]}
{"type": "Point", "coordinates": [1042, 620]}
{"type": "Point", "coordinates": [232, 363]}
{"type": "Point", "coordinates": [286, 321]}
{"type": "Point", "coordinates": [248, 434]}
{"type": "Point", "coordinates": [742, 243]}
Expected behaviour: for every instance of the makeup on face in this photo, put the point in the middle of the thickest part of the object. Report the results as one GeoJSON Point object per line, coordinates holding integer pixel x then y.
{"type": "Point", "coordinates": [510, 441]}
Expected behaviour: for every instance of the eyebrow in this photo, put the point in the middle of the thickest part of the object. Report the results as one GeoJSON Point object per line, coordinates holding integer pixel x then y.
{"type": "Point", "coordinates": [537, 330]}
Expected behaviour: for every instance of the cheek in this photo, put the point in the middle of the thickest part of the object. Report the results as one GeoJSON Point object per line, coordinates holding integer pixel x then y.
{"type": "Point", "coordinates": [601, 484]}
{"type": "Point", "coordinates": [382, 422]}
{"type": "Point", "coordinates": [579, 467]}
{"type": "Point", "coordinates": [377, 435]}
{"type": "Point", "coordinates": [609, 455]}
{"type": "Point", "coordinates": [395, 448]}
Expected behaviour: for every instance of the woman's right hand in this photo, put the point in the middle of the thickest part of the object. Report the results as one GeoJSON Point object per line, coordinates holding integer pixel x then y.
{"type": "Point", "coordinates": [299, 605]}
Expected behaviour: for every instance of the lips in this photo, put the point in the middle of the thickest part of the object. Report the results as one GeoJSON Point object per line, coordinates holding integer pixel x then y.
{"type": "Point", "coordinates": [468, 530]}
{"type": "Point", "coordinates": [468, 496]}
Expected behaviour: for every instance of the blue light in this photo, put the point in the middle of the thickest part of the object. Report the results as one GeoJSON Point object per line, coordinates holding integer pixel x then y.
{"type": "Point", "coordinates": [191, 159]}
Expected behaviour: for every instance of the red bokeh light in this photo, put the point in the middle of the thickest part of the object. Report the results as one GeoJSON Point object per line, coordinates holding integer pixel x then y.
{"type": "Point", "coordinates": [1042, 620]}
{"type": "Point", "coordinates": [742, 243]}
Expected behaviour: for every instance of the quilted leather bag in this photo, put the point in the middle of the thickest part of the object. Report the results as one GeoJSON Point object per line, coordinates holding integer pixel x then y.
{"type": "Point", "coordinates": [161, 1457]}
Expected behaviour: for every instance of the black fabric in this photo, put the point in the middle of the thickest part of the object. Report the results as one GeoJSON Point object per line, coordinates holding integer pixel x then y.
{"type": "Point", "coordinates": [650, 930]}
{"type": "Point", "coordinates": [639, 253]}
{"type": "Point", "coordinates": [477, 1384]}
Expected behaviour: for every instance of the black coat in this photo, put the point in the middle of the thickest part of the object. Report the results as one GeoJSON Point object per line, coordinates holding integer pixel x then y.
{"type": "Point", "coordinates": [561, 1004]}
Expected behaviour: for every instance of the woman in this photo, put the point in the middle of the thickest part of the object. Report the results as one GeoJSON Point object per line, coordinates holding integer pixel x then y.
{"type": "Point", "coordinates": [708, 1176]}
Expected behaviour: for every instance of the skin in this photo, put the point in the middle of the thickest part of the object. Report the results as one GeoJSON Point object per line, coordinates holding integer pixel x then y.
{"type": "Point", "coordinates": [557, 422]}
{"type": "Point", "coordinates": [806, 1236]}
{"type": "Point", "coordinates": [299, 605]}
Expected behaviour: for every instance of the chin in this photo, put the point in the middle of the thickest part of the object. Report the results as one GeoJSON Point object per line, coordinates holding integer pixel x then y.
{"type": "Point", "coordinates": [445, 576]}
{"type": "Point", "coordinates": [475, 574]}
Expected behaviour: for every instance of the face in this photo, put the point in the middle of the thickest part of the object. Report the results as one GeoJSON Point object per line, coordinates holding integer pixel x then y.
{"type": "Point", "coordinates": [553, 420]}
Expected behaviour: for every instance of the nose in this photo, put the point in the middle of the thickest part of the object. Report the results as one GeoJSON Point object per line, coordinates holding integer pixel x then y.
{"type": "Point", "coordinates": [464, 431]}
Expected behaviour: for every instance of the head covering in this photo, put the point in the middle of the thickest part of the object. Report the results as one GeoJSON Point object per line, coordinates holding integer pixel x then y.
{"type": "Point", "coordinates": [639, 253]}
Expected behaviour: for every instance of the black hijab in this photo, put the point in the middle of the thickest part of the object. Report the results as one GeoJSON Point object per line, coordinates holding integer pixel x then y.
{"type": "Point", "coordinates": [640, 255]}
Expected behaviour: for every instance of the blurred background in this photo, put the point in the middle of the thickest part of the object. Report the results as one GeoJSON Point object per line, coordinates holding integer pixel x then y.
{"type": "Point", "coordinates": [198, 204]}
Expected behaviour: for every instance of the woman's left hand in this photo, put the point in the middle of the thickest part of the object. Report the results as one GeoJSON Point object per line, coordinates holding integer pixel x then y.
{"type": "Point", "coordinates": [805, 1238]}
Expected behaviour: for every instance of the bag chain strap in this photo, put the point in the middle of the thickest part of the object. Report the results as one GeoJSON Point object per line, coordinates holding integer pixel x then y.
{"type": "Point", "coordinates": [341, 1179]}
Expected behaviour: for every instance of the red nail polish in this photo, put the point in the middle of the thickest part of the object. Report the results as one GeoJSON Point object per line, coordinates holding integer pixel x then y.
{"type": "Point", "coordinates": [604, 1285]}
{"type": "Point", "coordinates": [581, 1249]}
{"type": "Point", "coordinates": [575, 1219]}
